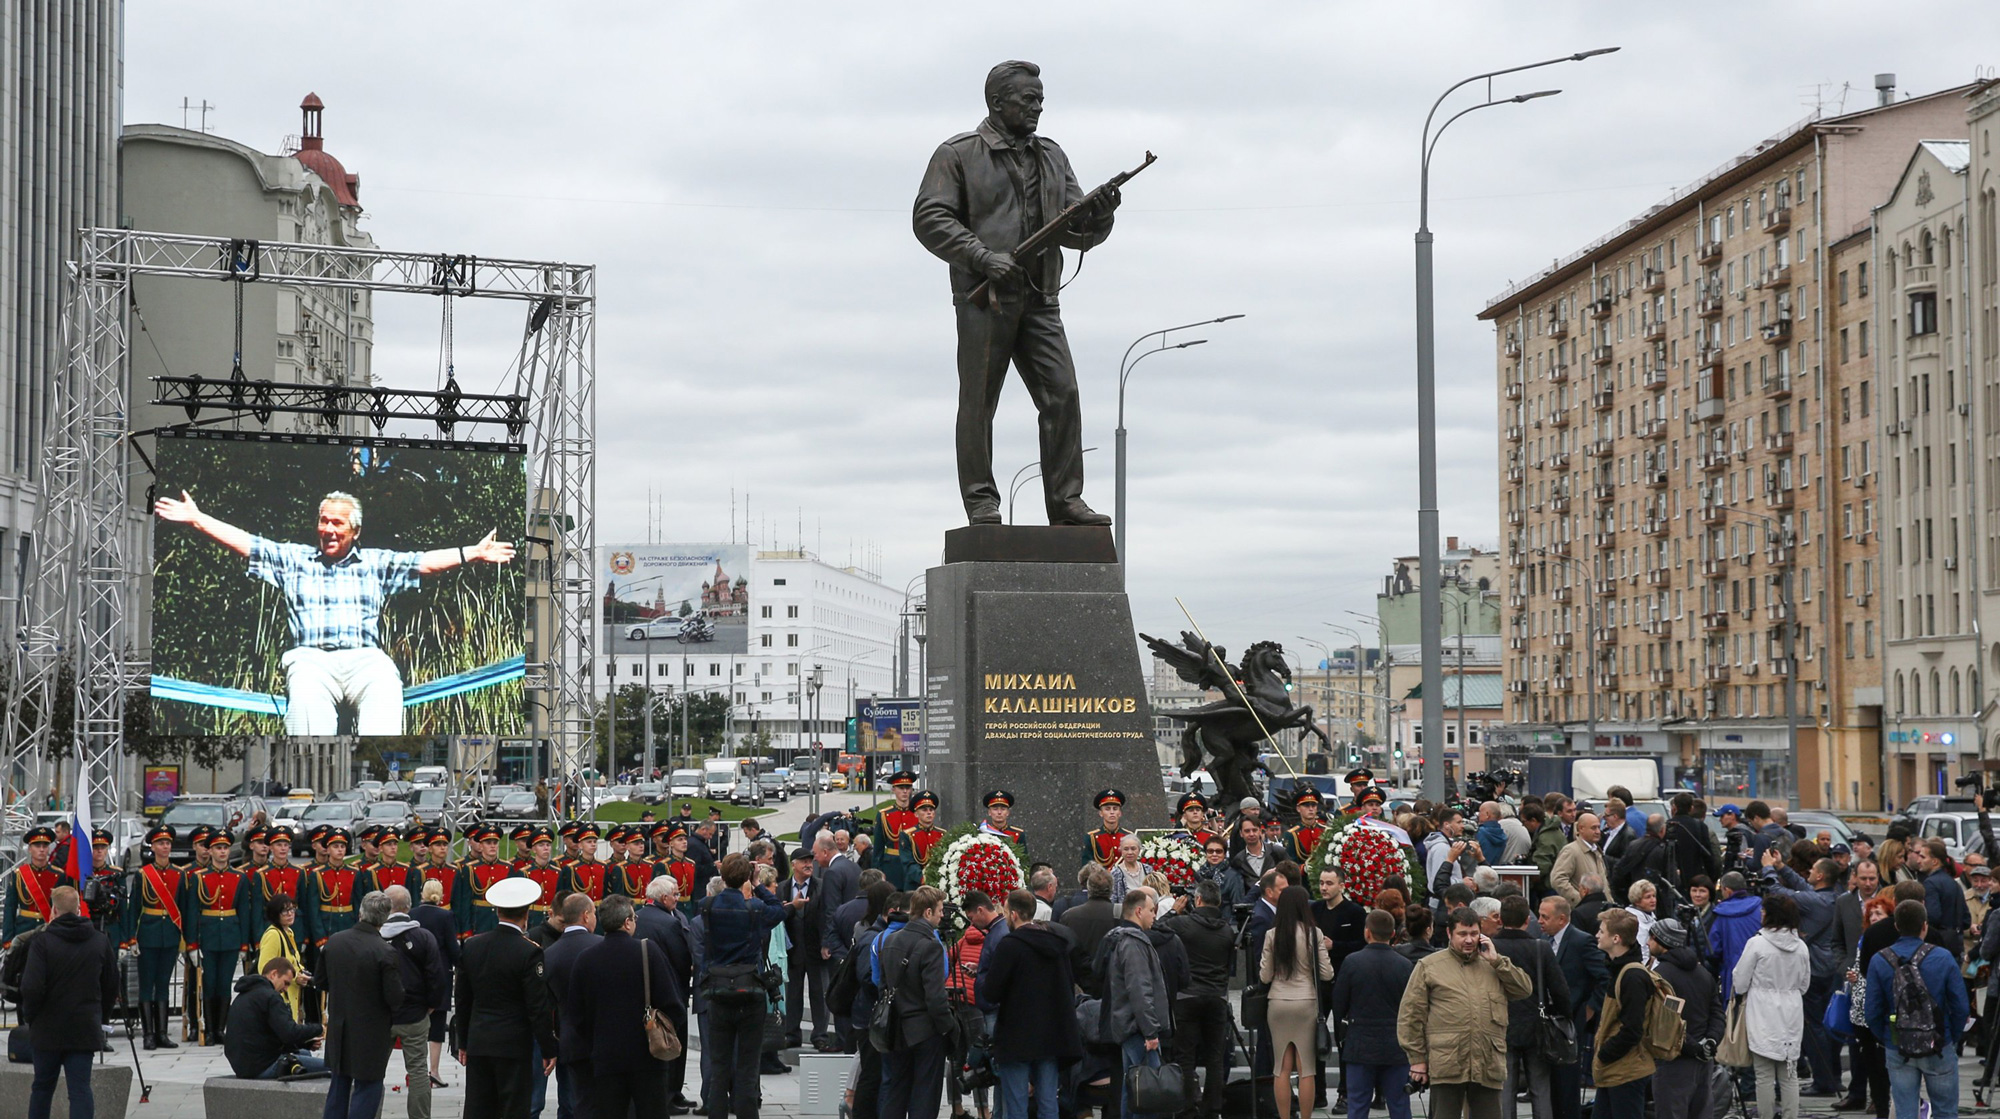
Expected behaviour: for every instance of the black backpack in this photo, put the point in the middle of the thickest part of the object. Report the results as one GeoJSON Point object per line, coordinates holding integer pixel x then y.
{"type": "Point", "coordinates": [15, 966]}
{"type": "Point", "coordinates": [1913, 1016]}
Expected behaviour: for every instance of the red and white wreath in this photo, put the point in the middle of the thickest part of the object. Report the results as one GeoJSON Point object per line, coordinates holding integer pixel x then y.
{"type": "Point", "coordinates": [1367, 857]}
{"type": "Point", "coordinates": [1172, 856]}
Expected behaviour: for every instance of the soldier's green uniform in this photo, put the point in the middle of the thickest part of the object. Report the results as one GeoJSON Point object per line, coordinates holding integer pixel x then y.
{"type": "Point", "coordinates": [214, 901]}
{"type": "Point", "coordinates": [153, 922]}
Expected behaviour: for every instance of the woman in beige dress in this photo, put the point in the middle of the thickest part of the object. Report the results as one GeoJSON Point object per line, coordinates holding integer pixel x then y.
{"type": "Point", "coordinates": [1294, 962]}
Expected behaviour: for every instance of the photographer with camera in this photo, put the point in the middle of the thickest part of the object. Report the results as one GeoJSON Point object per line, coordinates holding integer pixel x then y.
{"type": "Point", "coordinates": [1448, 857]}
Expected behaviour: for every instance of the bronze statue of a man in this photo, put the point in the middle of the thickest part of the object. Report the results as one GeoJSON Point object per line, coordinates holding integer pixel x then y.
{"type": "Point", "coordinates": [983, 194]}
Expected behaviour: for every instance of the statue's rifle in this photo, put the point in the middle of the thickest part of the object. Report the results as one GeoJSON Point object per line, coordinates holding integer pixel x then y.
{"type": "Point", "coordinates": [984, 296]}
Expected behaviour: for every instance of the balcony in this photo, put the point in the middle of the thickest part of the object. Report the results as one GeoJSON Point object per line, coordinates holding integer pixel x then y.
{"type": "Point", "coordinates": [1561, 594]}
{"type": "Point", "coordinates": [1658, 576]}
{"type": "Point", "coordinates": [1604, 399]}
{"type": "Point", "coordinates": [1714, 567]}
{"type": "Point", "coordinates": [1655, 526]}
{"type": "Point", "coordinates": [1512, 346]}
{"type": "Point", "coordinates": [1516, 518]}
{"type": "Point", "coordinates": [1606, 538]}
{"type": "Point", "coordinates": [1558, 328]}
{"type": "Point", "coordinates": [1559, 461]}
{"type": "Point", "coordinates": [1714, 620]}
{"type": "Point", "coordinates": [1514, 433]}
{"type": "Point", "coordinates": [1654, 330]}
{"type": "Point", "coordinates": [1709, 306]}
{"type": "Point", "coordinates": [1776, 276]}
{"type": "Point", "coordinates": [1518, 687]}
{"type": "Point", "coordinates": [1749, 670]}
{"type": "Point", "coordinates": [1607, 681]}
{"type": "Point", "coordinates": [1655, 626]}
{"type": "Point", "coordinates": [1600, 308]}
{"type": "Point", "coordinates": [1559, 683]}
{"type": "Point", "coordinates": [1604, 491]}
{"type": "Point", "coordinates": [1605, 588]}
{"type": "Point", "coordinates": [1559, 503]}
{"type": "Point", "coordinates": [1775, 612]}
{"type": "Point", "coordinates": [1654, 376]}
{"type": "Point", "coordinates": [1778, 220]}
{"type": "Point", "coordinates": [1661, 677]}
{"type": "Point", "coordinates": [1713, 462]}
{"type": "Point", "coordinates": [1780, 498]}
{"type": "Point", "coordinates": [1563, 640]}
{"type": "Point", "coordinates": [1598, 448]}
{"type": "Point", "coordinates": [1559, 418]}
{"type": "Point", "coordinates": [1558, 372]}
{"type": "Point", "coordinates": [1778, 555]}
{"type": "Point", "coordinates": [1516, 475]}
{"type": "Point", "coordinates": [1653, 280]}
{"type": "Point", "coordinates": [1655, 428]}
{"type": "Point", "coordinates": [1708, 356]}
{"type": "Point", "coordinates": [1707, 251]}
{"type": "Point", "coordinates": [1778, 331]}
{"type": "Point", "coordinates": [1655, 479]}
{"type": "Point", "coordinates": [1513, 390]}
{"type": "Point", "coordinates": [1708, 411]}
{"type": "Point", "coordinates": [1600, 355]}
{"type": "Point", "coordinates": [1517, 643]}
{"type": "Point", "coordinates": [1781, 666]}
{"type": "Point", "coordinates": [1605, 635]}
{"type": "Point", "coordinates": [1711, 513]}
{"type": "Point", "coordinates": [1779, 442]}
{"type": "Point", "coordinates": [1716, 673]}
{"type": "Point", "coordinates": [1517, 600]}
{"type": "Point", "coordinates": [1778, 386]}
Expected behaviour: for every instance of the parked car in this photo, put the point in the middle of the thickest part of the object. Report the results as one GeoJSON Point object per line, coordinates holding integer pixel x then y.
{"type": "Point", "coordinates": [1816, 821]}
{"type": "Point", "coordinates": [1959, 830]}
{"type": "Point", "coordinates": [1914, 812]}
{"type": "Point", "coordinates": [684, 783]}
{"type": "Point", "coordinates": [517, 805]}
{"type": "Point", "coordinates": [339, 813]}
{"type": "Point", "coordinates": [666, 627]}
{"type": "Point", "coordinates": [837, 781]}
{"type": "Point", "coordinates": [372, 789]}
{"type": "Point", "coordinates": [650, 792]}
{"type": "Point", "coordinates": [393, 813]}
{"type": "Point", "coordinates": [216, 810]}
{"type": "Point", "coordinates": [285, 814]}
{"type": "Point", "coordinates": [610, 793]}
{"type": "Point", "coordinates": [397, 790]}
{"type": "Point", "coordinates": [496, 793]}
{"type": "Point", "coordinates": [428, 802]}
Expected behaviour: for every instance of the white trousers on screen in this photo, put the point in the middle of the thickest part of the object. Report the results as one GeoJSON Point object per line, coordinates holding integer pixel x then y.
{"type": "Point", "coordinates": [317, 681]}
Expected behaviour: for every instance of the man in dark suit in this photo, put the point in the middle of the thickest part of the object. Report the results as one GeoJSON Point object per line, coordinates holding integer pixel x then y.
{"type": "Point", "coordinates": [364, 986]}
{"type": "Point", "coordinates": [1587, 974]}
{"type": "Point", "coordinates": [837, 881]}
{"type": "Point", "coordinates": [805, 965]}
{"type": "Point", "coordinates": [501, 1012]}
{"type": "Point", "coordinates": [661, 921]}
{"type": "Point", "coordinates": [559, 961]}
{"type": "Point", "coordinates": [619, 976]}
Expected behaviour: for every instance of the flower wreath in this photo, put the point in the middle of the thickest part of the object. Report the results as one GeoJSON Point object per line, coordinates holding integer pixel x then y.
{"type": "Point", "coordinates": [968, 859]}
{"type": "Point", "coordinates": [1368, 856]}
{"type": "Point", "coordinates": [1171, 855]}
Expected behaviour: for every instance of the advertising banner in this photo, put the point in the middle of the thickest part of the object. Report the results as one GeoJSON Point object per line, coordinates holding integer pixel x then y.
{"type": "Point", "coordinates": [162, 784]}
{"type": "Point", "coordinates": [890, 726]}
{"type": "Point", "coordinates": [676, 598]}
{"type": "Point", "coordinates": [323, 588]}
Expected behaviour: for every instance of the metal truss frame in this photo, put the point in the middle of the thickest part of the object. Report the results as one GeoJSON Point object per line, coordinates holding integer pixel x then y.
{"type": "Point", "coordinates": [74, 606]}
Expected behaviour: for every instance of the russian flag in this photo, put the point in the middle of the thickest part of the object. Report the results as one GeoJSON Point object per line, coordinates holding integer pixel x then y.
{"type": "Point", "coordinates": [79, 864]}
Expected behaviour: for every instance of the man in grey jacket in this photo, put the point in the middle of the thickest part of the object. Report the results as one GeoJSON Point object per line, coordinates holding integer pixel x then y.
{"type": "Point", "coordinates": [912, 966]}
{"type": "Point", "coordinates": [1136, 988]}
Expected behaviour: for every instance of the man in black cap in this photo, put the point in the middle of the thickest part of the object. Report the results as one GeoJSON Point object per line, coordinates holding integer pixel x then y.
{"type": "Point", "coordinates": [502, 1025]}
{"type": "Point", "coordinates": [1193, 813]}
{"type": "Point", "coordinates": [1000, 806]}
{"type": "Point", "coordinates": [29, 887]}
{"type": "Point", "coordinates": [892, 850]}
{"type": "Point", "coordinates": [1101, 843]}
{"type": "Point", "coordinates": [1358, 781]}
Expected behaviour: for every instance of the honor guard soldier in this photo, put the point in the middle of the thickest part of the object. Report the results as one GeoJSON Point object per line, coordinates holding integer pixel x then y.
{"type": "Point", "coordinates": [924, 836]}
{"type": "Point", "coordinates": [635, 873]}
{"type": "Point", "coordinates": [387, 870]}
{"type": "Point", "coordinates": [475, 913]}
{"type": "Point", "coordinates": [892, 849]}
{"type": "Point", "coordinates": [277, 877]}
{"type": "Point", "coordinates": [677, 864]}
{"type": "Point", "coordinates": [257, 849]}
{"type": "Point", "coordinates": [437, 866]}
{"type": "Point", "coordinates": [1305, 836]}
{"type": "Point", "coordinates": [585, 875]}
{"type": "Point", "coordinates": [542, 870]}
{"type": "Point", "coordinates": [1101, 843]}
{"type": "Point", "coordinates": [27, 905]}
{"type": "Point", "coordinates": [328, 904]}
{"type": "Point", "coordinates": [999, 806]}
{"type": "Point", "coordinates": [363, 846]}
{"type": "Point", "coordinates": [1357, 783]}
{"type": "Point", "coordinates": [523, 837]}
{"type": "Point", "coordinates": [1193, 812]}
{"type": "Point", "coordinates": [212, 897]}
{"type": "Point", "coordinates": [153, 922]}
{"type": "Point", "coordinates": [615, 836]}
{"type": "Point", "coordinates": [567, 833]}
{"type": "Point", "coordinates": [104, 870]}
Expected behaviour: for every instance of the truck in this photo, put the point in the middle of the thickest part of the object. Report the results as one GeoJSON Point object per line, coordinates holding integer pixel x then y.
{"type": "Point", "coordinates": [1589, 778]}
{"type": "Point", "coordinates": [718, 778]}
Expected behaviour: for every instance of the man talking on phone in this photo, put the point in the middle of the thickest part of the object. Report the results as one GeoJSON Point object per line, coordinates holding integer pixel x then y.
{"type": "Point", "coordinates": [1447, 1022]}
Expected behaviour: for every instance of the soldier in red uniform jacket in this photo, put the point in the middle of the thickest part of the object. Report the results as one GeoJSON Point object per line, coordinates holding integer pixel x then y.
{"type": "Point", "coordinates": [635, 873]}
{"type": "Point", "coordinates": [27, 903]}
{"type": "Point", "coordinates": [1102, 843]}
{"type": "Point", "coordinates": [676, 863]}
{"type": "Point", "coordinates": [1000, 806]}
{"type": "Point", "coordinates": [586, 874]}
{"type": "Point", "coordinates": [543, 871]}
{"type": "Point", "coordinates": [1305, 836]}
{"type": "Point", "coordinates": [925, 835]}
{"type": "Point", "coordinates": [436, 865]}
{"type": "Point", "coordinates": [476, 876]}
{"type": "Point", "coordinates": [388, 869]}
{"type": "Point", "coordinates": [1193, 811]}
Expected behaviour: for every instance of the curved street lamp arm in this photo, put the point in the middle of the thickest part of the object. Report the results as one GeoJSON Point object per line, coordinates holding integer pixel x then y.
{"type": "Point", "coordinates": [1490, 74]}
{"type": "Point", "coordinates": [1125, 372]}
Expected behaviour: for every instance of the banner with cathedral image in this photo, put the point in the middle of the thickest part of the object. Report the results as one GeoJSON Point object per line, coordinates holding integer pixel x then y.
{"type": "Point", "coordinates": [676, 598]}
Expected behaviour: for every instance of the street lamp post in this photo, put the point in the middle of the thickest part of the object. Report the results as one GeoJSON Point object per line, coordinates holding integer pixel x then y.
{"type": "Point", "coordinates": [1031, 471]}
{"type": "Point", "coordinates": [1126, 364]}
{"type": "Point", "coordinates": [1430, 606]}
{"type": "Point", "coordinates": [1326, 671]}
{"type": "Point", "coordinates": [813, 684]}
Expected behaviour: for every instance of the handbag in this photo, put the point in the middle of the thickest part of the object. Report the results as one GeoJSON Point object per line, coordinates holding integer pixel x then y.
{"type": "Point", "coordinates": [1256, 1006]}
{"type": "Point", "coordinates": [1857, 994]}
{"type": "Point", "coordinates": [1555, 1035]}
{"type": "Point", "coordinates": [1735, 1048]}
{"type": "Point", "coordinates": [1322, 1036]}
{"type": "Point", "coordinates": [1160, 1089]}
{"type": "Point", "coordinates": [1839, 1014]}
{"type": "Point", "coordinates": [662, 1040]}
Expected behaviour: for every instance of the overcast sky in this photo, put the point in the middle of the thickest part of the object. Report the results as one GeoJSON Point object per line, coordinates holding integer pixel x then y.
{"type": "Point", "coordinates": [741, 175]}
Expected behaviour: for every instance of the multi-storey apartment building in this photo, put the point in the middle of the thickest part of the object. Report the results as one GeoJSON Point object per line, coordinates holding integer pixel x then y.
{"type": "Point", "coordinates": [1665, 395]}
{"type": "Point", "coordinates": [1852, 596]}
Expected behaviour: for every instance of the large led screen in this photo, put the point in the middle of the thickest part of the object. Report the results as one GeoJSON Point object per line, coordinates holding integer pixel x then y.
{"type": "Point", "coordinates": [319, 589]}
{"type": "Point", "coordinates": [676, 598]}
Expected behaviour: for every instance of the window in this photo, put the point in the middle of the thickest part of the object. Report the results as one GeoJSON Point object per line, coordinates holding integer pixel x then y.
{"type": "Point", "coordinates": [1843, 286]}
{"type": "Point", "coordinates": [687, 669]}
{"type": "Point", "coordinates": [777, 582]}
{"type": "Point", "coordinates": [714, 669]}
{"type": "Point", "coordinates": [764, 611]}
{"type": "Point", "coordinates": [1861, 288]}
{"type": "Point", "coordinates": [791, 611]}
{"type": "Point", "coordinates": [764, 639]}
{"type": "Point", "coordinates": [1861, 339]}
{"type": "Point", "coordinates": [791, 641]}
{"type": "Point", "coordinates": [1923, 313]}
{"type": "Point", "coordinates": [792, 668]}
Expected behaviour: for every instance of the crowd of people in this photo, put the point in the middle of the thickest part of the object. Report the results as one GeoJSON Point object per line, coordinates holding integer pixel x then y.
{"type": "Point", "coordinates": [1645, 962]}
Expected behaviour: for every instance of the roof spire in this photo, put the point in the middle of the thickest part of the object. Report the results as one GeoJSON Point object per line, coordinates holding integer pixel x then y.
{"type": "Point", "coordinates": [309, 133]}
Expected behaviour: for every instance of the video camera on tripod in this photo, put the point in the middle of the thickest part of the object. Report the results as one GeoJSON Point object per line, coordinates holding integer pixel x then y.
{"type": "Point", "coordinates": [1989, 794]}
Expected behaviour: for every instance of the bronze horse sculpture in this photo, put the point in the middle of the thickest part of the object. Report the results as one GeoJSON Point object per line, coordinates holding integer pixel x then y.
{"type": "Point", "coordinates": [1231, 732]}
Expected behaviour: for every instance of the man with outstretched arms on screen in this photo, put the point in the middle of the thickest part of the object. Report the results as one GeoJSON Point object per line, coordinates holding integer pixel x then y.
{"type": "Point", "coordinates": [334, 594]}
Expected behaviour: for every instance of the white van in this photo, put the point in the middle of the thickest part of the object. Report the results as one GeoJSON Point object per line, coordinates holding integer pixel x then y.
{"type": "Point", "coordinates": [718, 778]}
{"type": "Point", "coordinates": [430, 775]}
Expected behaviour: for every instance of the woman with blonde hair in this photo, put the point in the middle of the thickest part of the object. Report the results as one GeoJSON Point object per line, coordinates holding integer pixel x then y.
{"type": "Point", "coordinates": [1892, 859]}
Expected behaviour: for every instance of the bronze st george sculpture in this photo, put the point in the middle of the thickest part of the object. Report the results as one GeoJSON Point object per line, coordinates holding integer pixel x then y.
{"type": "Point", "coordinates": [998, 204]}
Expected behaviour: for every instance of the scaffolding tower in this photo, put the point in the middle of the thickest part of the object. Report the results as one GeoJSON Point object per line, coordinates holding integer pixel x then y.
{"type": "Point", "coordinates": [74, 648]}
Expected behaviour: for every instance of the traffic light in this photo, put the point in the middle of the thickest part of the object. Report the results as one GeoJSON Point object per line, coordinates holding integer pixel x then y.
{"type": "Point", "coordinates": [853, 734]}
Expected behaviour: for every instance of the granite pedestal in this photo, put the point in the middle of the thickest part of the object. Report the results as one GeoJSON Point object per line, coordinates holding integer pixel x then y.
{"type": "Point", "coordinates": [1035, 686]}
{"type": "Point", "coordinates": [110, 1087]}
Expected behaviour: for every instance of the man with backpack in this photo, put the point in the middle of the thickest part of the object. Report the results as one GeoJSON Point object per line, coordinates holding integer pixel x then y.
{"type": "Point", "coordinates": [1917, 1006]}
{"type": "Point", "coordinates": [1640, 1025]}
